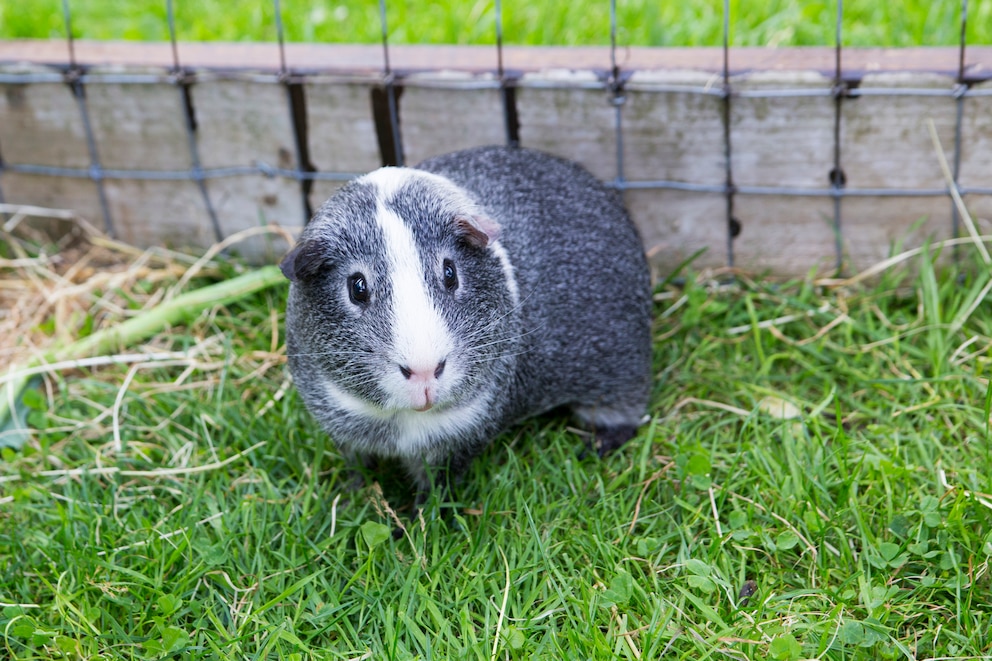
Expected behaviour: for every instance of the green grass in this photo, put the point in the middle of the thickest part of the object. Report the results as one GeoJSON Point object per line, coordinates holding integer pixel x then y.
{"type": "Point", "coordinates": [862, 522]}
{"type": "Point", "coordinates": [559, 22]}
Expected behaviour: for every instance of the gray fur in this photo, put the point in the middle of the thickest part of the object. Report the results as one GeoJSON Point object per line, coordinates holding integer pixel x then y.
{"type": "Point", "coordinates": [578, 335]}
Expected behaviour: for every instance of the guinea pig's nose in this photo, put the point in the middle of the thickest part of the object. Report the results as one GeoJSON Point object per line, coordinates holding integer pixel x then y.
{"type": "Point", "coordinates": [422, 374]}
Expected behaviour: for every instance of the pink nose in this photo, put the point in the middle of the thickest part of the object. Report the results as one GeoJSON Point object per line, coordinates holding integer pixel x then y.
{"type": "Point", "coordinates": [419, 374]}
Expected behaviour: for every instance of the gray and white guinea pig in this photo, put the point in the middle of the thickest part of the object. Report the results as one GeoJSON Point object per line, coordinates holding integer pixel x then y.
{"type": "Point", "coordinates": [432, 307]}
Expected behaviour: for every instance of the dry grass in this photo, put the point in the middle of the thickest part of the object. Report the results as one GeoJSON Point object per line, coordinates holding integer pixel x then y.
{"type": "Point", "coordinates": [68, 279]}
{"type": "Point", "coordinates": [67, 282]}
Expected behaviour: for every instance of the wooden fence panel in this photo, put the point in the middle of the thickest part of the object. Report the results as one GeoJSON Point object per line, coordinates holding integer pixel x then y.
{"type": "Point", "coordinates": [142, 127]}
{"type": "Point", "coordinates": [671, 135]}
{"type": "Point", "coordinates": [341, 132]}
{"type": "Point", "coordinates": [436, 119]}
{"type": "Point", "coordinates": [40, 124]}
{"type": "Point", "coordinates": [577, 123]}
{"type": "Point", "coordinates": [232, 132]}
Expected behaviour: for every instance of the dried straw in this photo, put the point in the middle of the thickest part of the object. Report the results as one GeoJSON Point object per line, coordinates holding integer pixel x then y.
{"type": "Point", "coordinates": [67, 280]}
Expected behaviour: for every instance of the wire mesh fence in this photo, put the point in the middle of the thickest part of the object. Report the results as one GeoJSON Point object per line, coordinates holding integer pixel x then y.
{"type": "Point", "coordinates": [780, 160]}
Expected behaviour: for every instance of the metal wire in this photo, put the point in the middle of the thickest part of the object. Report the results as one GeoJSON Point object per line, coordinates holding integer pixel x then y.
{"type": "Point", "coordinates": [262, 168]}
{"type": "Point", "coordinates": [506, 91]}
{"type": "Point", "coordinates": [733, 225]}
{"type": "Point", "coordinates": [617, 98]}
{"type": "Point", "coordinates": [70, 42]}
{"type": "Point", "coordinates": [389, 81]}
{"type": "Point", "coordinates": [299, 126]}
{"type": "Point", "coordinates": [837, 177]}
{"type": "Point", "coordinates": [964, 90]}
{"type": "Point", "coordinates": [958, 119]}
{"type": "Point", "coordinates": [196, 171]}
{"type": "Point", "coordinates": [73, 78]}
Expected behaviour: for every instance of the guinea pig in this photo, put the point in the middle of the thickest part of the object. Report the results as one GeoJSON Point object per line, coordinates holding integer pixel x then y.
{"type": "Point", "coordinates": [430, 308]}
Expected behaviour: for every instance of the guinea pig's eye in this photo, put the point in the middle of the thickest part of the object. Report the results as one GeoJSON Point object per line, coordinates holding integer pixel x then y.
{"type": "Point", "coordinates": [450, 275]}
{"type": "Point", "coordinates": [358, 289]}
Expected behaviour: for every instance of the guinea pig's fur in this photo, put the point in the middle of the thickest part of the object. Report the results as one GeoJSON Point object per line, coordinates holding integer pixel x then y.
{"type": "Point", "coordinates": [432, 307]}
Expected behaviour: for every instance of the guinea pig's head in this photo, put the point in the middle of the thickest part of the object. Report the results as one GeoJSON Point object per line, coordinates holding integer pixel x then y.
{"type": "Point", "coordinates": [402, 297]}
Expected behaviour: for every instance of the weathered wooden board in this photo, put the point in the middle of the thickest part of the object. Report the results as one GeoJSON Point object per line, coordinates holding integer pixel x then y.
{"type": "Point", "coordinates": [576, 123]}
{"type": "Point", "coordinates": [976, 139]}
{"type": "Point", "coordinates": [232, 132]}
{"type": "Point", "coordinates": [779, 233]}
{"type": "Point", "coordinates": [436, 119]}
{"type": "Point", "coordinates": [779, 141]}
{"type": "Point", "coordinates": [675, 225]}
{"type": "Point", "coordinates": [980, 209]}
{"type": "Point", "coordinates": [40, 124]}
{"type": "Point", "coordinates": [876, 228]}
{"type": "Point", "coordinates": [142, 127]}
{"type": "Point", "coordinates": [885, 142]}
{"type": "Point", "coordinates": [341, 132]}
{"type": "Point", "coordinates": [783, 142]}
{"type": "Point", "coordinates": [156, 213]}
{"type": "Point", "coordinates": [670, 130]}
{"type": "Point", "coordinates": [976, 157]}
{"type": "Point", "coordinates": [671, 135]}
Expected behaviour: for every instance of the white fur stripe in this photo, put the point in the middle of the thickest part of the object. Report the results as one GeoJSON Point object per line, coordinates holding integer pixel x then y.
{"type": "Point", "coordinates": [511, 278]}
{"type": "Point", "coordinates": [420, 339]}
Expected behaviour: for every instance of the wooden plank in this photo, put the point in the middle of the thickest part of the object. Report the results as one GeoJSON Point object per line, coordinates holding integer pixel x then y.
{"type": "Point", "coordinates": [980, 208]}
{"type": "Point", "coordinates": [341, 133]}
{"type": "Point", "coordinates": [367, 59]}
{"type": "Point", "coordinates": [782, 141]}
{"type": "Point", "coordinates": [138, 126]}
{"type": "Point", "coordinates": [160, 213]}
{"type": "Point", "coordinates": [786, 236]}
{"type": "Point", "coordinates": [670, 135]}
{"type": "Point", "coordinates": [29, 111]}
{"type": "Point", "coordinates": [876, 228]}
{"type": "Point", "coordinates": [477, 118]}
{"type": "Point", "coordinates": [884, 139]}
{"type": "Point", "coordinates": [976, 140]}
{"type": "Point", "coordinates": [40, 124]}
{"type": "Point", "coordinates": [79, 195]}
{"type": "Point", "coordinates": [674, 225]}
{"type": "Point", "coordinates": [976, 157]}
{"type": "Point", "coordinates": [576, 123]}
{"type": "Point", "coordinates": [239, 124]}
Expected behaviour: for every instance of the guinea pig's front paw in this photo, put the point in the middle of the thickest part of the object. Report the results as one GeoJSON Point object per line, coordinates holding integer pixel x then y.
{"type": "Point", "coordinates": [611, 438]}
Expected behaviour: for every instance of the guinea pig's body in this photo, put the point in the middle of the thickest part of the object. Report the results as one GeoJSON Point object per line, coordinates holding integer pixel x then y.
{"type": "Point", "coordinates": [433, 307]}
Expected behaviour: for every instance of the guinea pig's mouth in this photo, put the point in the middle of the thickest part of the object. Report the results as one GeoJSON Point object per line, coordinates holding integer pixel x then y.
{"type": "Point", "coordinates": [428, 402]}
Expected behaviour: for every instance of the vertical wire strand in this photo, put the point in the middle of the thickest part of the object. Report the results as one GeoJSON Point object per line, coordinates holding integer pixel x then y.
{"type": "Point", "coordinates": [296, 106]}
{"type": "Point", "coordinates": [507, 94]}
{"type": "Point", "coordinates": [180, 79]}
{"type": "Point", "coordinates": [837, 179]}
{"type": "Point", "coordinates": [498, 9]}
{"type": "Point", "coordinates": [72, 78]}
{"type": "Point", "coordinates": [394, 115]}
{"type": "Point", "coordinates": [732, 224]}
{"type": "Point", "coordinates": [280, 37]}
{"type": "Point", "coordinates": [70, 40]}
{"type": "Point", "coordinates": [618, 98]}
{"type": "Point", "coordinates": [959, 119]}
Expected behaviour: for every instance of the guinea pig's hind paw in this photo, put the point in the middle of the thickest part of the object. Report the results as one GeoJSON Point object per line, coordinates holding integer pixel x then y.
{"type": "Point", "coordinates": [611, 438]}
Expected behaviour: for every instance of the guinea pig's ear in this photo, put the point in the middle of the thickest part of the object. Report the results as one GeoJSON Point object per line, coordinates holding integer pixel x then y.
{"type": "Point", "coordinates": [304, 261]}
{"type": "Point", "coordinates": [476, 230]}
